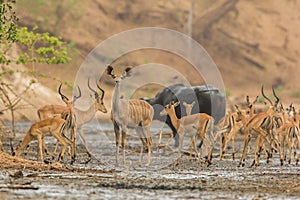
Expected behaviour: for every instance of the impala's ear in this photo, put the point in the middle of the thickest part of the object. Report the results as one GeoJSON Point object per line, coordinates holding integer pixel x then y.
{"type": "Point", "coordinates": [109, 70]}
{"type": "Point", "coordinates": [177, 103]}
{"type": "Point", "coordinates": [193, 103]}
{"type": "Point", "coordinates": [247, 99]}
{"type": "Point", "coordinates": [184, 103]}
{"type": "Point", "coordinates": [256, 99]}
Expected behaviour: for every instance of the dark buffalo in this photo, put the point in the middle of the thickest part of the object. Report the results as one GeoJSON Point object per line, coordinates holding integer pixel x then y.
{"type": "Point", "coordinates": [209, 99]}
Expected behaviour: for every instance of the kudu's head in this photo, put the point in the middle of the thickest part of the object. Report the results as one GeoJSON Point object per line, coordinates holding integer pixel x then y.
{"type": "Point", "coordinates": [99, 105]}
{"type": "Point", "coordinates": [117, 77]}
{"type": "Point", "coordinates": [169, 108]}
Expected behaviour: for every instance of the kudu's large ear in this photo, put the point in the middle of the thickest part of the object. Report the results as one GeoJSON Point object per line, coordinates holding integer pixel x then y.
{"type": "Point", "coordinates": [109, 70]}
{"type": "Point", "coordinates": [128, 71]}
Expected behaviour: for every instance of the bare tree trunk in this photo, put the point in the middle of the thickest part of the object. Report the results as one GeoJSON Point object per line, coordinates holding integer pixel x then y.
{"type": "Point", "coordinates": [10, 107]}
{"type": "Point", "coordinates": [190, 27]}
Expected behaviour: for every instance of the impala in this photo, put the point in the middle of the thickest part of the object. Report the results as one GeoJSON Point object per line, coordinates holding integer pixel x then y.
{"type": "Point", "coordinates": [258, 126]}
{"type": "Point", "coordinates": [231, 125]}
{"type": "Point", "coordinates": [70, 118]}
{"type": "Point", "coordinates": [251, 106]}
{"type": "Point", "coordinates": [82, 116]}
{"type": "Point", "coordinates": [292, 139]}
{"type": "Point", "coordinates": [198, 125]}
{"type": "Point", "coordinates": [54, 126]}
{"type": "Point", "coordinates": [66, 112]}
{"type": "Point", "coordinates": [131, 113]}
{"type": "Point", "coordinates": [289, 134]}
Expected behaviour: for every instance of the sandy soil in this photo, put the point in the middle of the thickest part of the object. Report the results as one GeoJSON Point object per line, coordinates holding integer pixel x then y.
{"type": "Point", "coordinates": [25, 178]}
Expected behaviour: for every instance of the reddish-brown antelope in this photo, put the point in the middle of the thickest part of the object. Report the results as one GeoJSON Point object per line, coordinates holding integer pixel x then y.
{"type": "Point", "coordinates": [70, 118]}
{"type": "Point", "coordinates": [131, 113]}
{"type": "Point", "coordinates": [259, 126]}
{"type": "Point", "coordinates": [231, 125]}
{"type": "Point", "coordinates": [197, 125]}
{"type": "Point", "coordinates": [82, 116]}
{"type": "Point", "coordinates": [65, 112]}
{"type": "Point", "coordinates": [54, 126]}
{"type": "Point", "coordinates": [289, 134]}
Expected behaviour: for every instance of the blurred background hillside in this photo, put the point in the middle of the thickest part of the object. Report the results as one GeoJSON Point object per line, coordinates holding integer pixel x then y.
{"type": "Point", "coordinates": [252, 42]}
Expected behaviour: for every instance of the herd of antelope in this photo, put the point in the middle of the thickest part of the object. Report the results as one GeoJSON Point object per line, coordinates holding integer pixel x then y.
{"type": "Point", "coordinates": [275, 130]}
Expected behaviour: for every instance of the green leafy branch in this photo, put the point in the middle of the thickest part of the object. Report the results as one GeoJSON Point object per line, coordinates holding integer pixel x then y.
{"type": "Point", "coordinates": [36, 47]}
{"type": "Point", "coordinates": [41, 48]}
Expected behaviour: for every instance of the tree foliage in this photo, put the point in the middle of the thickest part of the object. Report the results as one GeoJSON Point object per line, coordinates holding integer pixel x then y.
{"type": "Point", "coordinates": [34, 48]}
{"type": "Point", "coordinates": [8, 30]}
{"type": "Point", "coordinates": [41, 47]}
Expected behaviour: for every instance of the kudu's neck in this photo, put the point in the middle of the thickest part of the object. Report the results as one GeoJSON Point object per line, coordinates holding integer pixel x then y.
{"type": "Point", "coordinates": [116, 97]}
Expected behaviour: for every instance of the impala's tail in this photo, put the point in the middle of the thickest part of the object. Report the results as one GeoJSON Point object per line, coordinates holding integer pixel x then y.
{"type": "Point", "coordinates": [12, 147]}
{"type": "Point", "coordinates": [62, 131]}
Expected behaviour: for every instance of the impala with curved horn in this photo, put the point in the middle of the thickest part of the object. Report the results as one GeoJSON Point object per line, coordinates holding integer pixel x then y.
{"type": "Point", "coordinates": [70, 118]}
{"type": "Point", "coordinates": [231, 127]}
{"type": "Point", "coordinates": [82, 116]}
{"type": "Point", "coordinates": [258, 126]}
